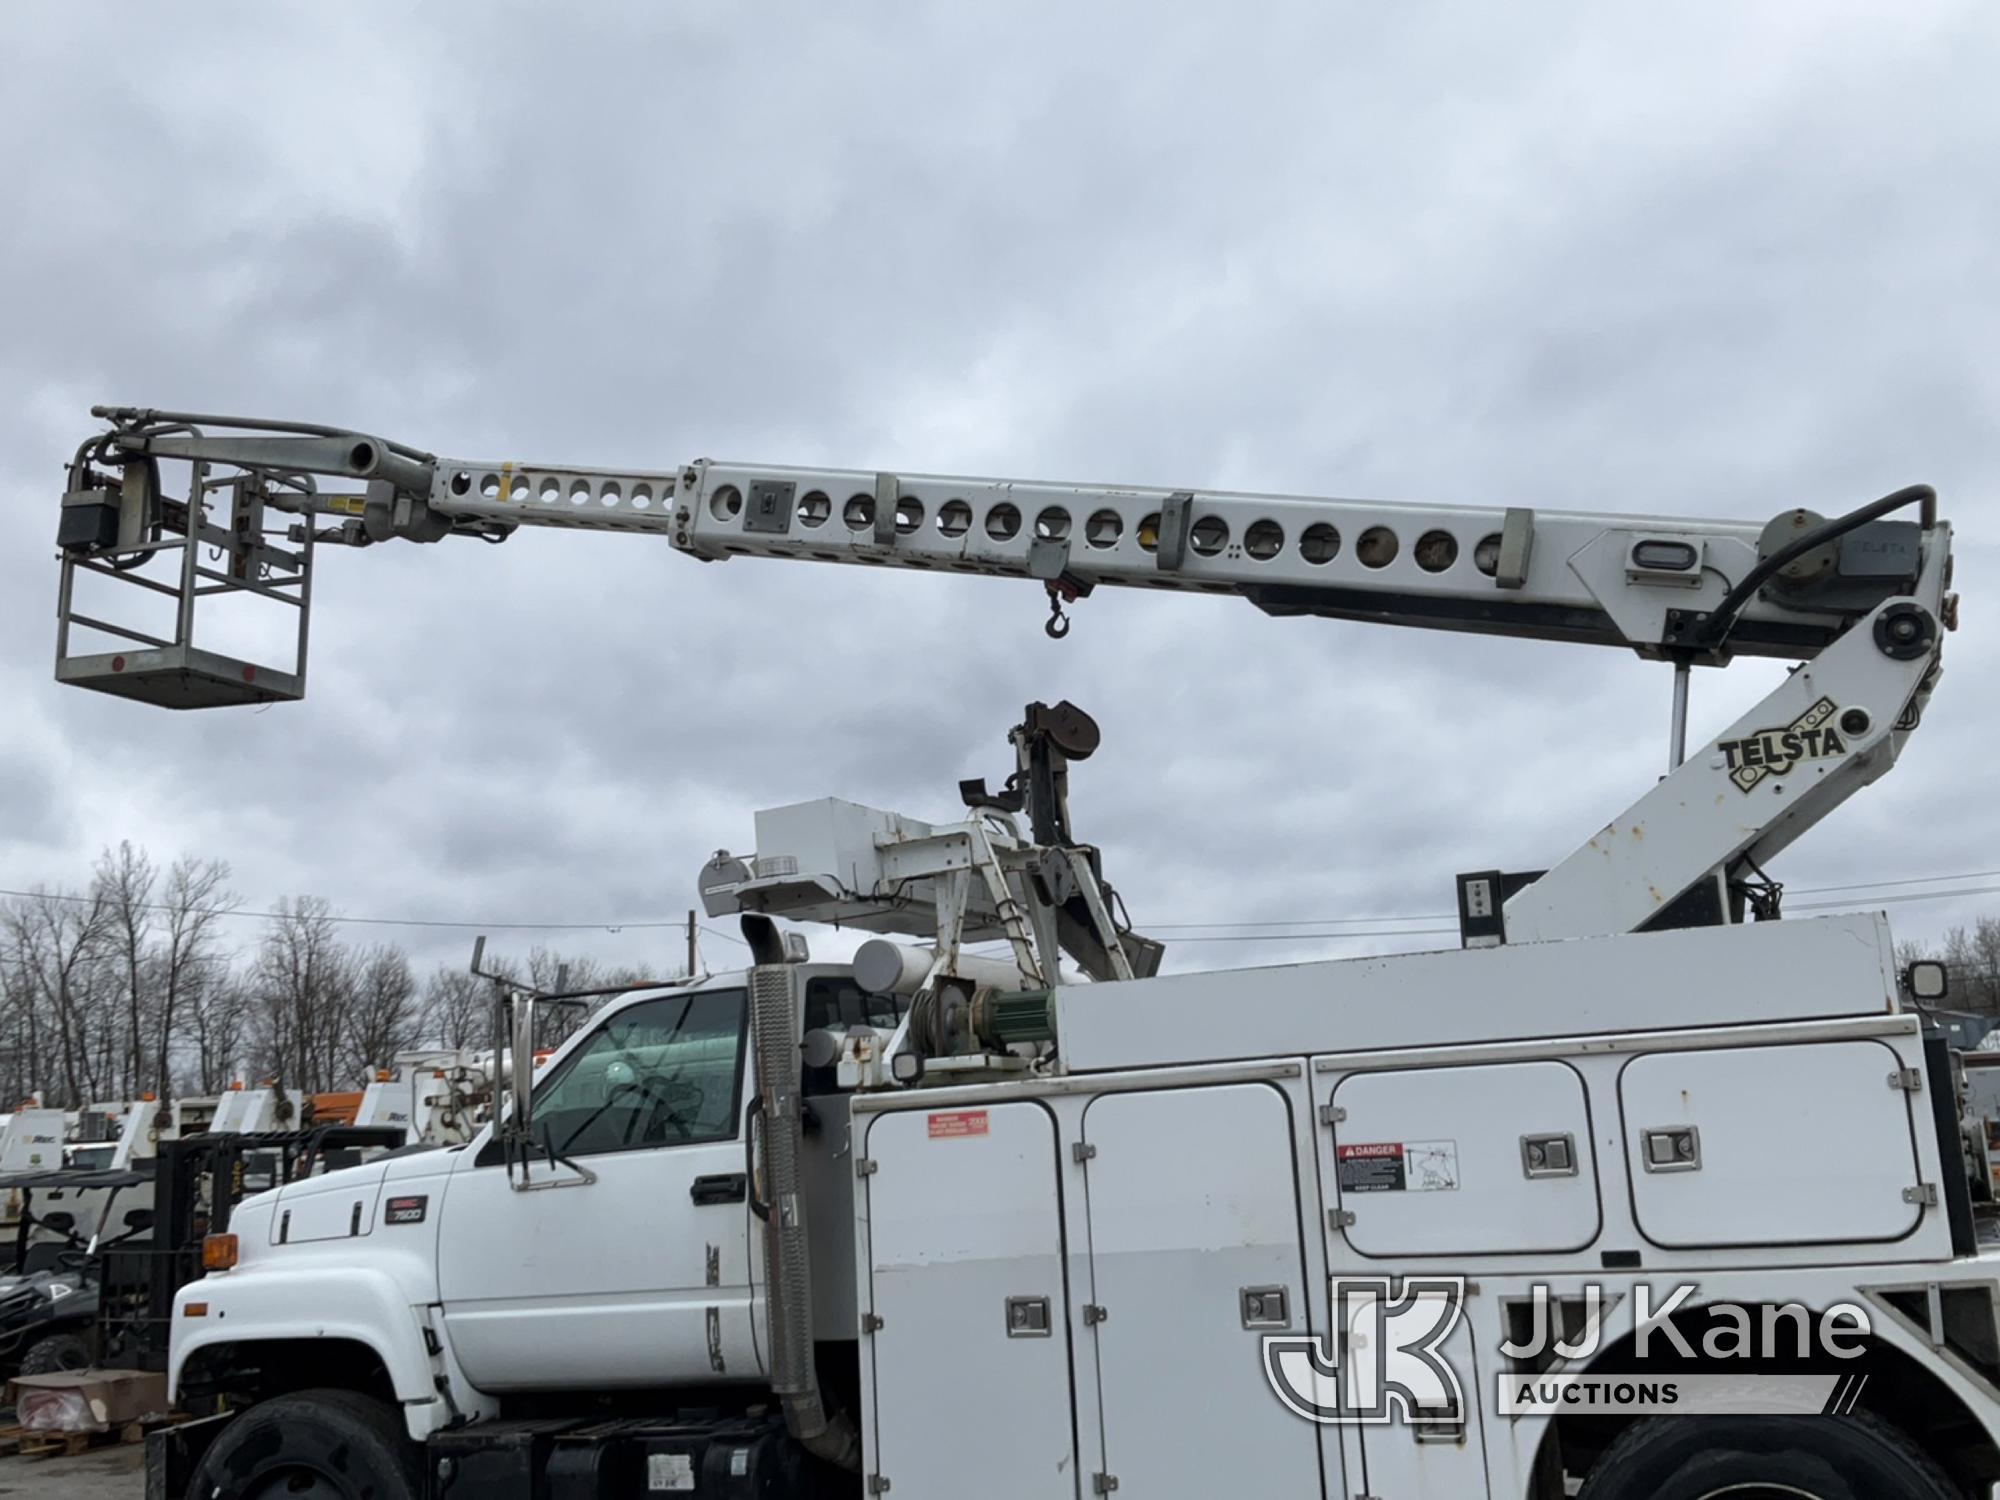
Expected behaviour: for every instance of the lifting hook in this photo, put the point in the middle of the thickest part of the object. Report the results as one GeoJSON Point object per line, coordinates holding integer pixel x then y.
{"type": "Point", "coordinates": [1057, 624]}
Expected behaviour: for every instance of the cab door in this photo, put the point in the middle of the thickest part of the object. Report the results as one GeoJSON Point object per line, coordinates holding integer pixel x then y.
{"type": "Point", "coordinates": [627, 1263]}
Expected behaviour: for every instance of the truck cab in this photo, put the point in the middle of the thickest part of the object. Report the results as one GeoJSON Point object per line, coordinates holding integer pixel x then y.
{"type": "Point", "coordinates": [618, 1254]}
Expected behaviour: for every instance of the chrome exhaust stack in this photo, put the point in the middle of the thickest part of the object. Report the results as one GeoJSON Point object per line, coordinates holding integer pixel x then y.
{"type": "Point", "coordinates": [774, 1027]}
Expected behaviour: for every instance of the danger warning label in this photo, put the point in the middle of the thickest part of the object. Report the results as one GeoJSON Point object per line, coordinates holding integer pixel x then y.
{"type": "Point", "coordinates": [1398, 1167]}
{"type": "Point", "coordinates": [958, 1124]}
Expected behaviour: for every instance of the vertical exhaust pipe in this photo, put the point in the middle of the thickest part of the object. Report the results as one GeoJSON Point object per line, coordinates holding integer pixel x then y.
{"type": "Point", "coordinates": [774, 1026]}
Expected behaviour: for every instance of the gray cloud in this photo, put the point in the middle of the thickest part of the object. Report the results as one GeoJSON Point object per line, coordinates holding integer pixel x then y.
{"type": "Point", "coordinates": [1713, 263]}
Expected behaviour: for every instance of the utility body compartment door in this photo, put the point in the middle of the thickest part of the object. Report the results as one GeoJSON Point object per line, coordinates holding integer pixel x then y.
{"type": "Point", "coordinates": [1481, 1160]}
{"type": "Point", "coordinates": [971, 1334]}
{"type": "Point", "coordinates": [1801, 1144]}
{"type": "Point", "coordinates": [1437, 1454]}
{"type": "Point", "coordinates": [1196, 1257]}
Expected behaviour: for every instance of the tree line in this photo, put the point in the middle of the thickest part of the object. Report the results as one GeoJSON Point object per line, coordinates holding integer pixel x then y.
{"type": "Point", "coordinates": [1971, 956]}
{"type": "Point", "coordinates": [139, 982]}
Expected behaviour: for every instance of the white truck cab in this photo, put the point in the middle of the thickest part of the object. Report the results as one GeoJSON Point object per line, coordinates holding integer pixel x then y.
{"type": "Point", "coordinates": [621, 1256]}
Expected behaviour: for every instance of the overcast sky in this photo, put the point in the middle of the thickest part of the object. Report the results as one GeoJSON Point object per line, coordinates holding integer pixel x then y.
{"type": "Point", "coordinates": [1703, 259]}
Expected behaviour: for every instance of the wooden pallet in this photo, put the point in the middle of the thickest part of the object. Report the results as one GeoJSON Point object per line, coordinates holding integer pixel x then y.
{"type": "Point", "coordinates": [67, 1444]}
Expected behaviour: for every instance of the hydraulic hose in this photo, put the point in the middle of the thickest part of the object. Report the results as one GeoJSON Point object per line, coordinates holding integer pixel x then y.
{"type": "Point", "coordinates": [1715, 629]}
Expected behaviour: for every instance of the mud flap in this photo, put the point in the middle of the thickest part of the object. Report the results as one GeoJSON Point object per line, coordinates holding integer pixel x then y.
{"type": "Point", "coordinates": [173, 1452]}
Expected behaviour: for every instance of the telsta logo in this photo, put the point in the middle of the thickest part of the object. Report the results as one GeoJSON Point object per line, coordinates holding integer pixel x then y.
{"type": "Point", "coordinates": [1773, 752]}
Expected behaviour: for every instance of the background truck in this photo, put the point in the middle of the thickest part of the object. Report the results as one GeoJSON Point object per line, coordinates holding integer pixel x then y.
{"type": "Point", "coordinates": [1037, 1220]}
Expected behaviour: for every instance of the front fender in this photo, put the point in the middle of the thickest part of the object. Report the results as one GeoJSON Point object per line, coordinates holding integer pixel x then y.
{"type": "Point", "coordinates": [354, 1302]}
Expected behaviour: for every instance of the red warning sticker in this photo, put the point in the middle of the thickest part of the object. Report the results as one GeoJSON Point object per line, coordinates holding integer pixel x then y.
{"type": "Point", "coordinates": [957, 1124]}
{"type": "Point", "coordinates": [1373, 1168]}
{"type": "Point", "coordinates": [1398, 1167]}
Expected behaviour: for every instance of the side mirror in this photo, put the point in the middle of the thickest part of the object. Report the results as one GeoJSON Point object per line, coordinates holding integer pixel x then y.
{"type": "Point", "coordinates": [1926, 980]}
{"type": "Point", "coordinates": [139, 1218]}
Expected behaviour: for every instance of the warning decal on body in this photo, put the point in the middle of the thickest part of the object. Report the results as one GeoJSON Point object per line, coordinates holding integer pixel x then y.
{"type": "Point", "coordinates": [1398, 1167]}
{"type": "Point", "coordinates": [957, 1124]}
{"type": "Point", "coordinates": [669, 1471]}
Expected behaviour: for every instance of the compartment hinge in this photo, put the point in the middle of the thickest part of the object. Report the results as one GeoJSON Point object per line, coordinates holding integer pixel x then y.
{"type": "Point", "coordinates": [1082, 1151]}
{"type": "Point", "coordinates": [1910, 1080]}
{"type": "Point", "coordinates": [1332, 1114]}
{"type": "Point", "coordinates": [871, 1323]}
{"type": "Point", "coordinates": [864, 1166]}
{"type": "Point", "coordinates": [1924, 1193]}
{"type": "Point", "coordinates": [1103, 1484]}
{"type": "Point", "coordinates": [1339, 1218]}
{"type": "Point", "coordinates": [878, 1484]}
{"type": "Point", "coordinates": [1095, 1313]}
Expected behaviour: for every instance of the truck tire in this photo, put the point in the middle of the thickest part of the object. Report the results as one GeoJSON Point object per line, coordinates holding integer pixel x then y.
{"type": "Point", "coordinates": [56, 1352]}
{"type": "Point", "coordinates": [326, 1445]}
{"type": "Point", "coordinates": [1856, 1457]}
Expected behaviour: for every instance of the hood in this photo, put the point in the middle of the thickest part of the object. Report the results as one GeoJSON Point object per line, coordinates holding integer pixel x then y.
{"type": "Point", "coordinates": [346, 1180]}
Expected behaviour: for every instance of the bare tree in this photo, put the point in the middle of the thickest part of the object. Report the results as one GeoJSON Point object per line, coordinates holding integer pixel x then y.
{"type": "Point", "coordinates": [219, 1002]}
{"type": "Point", "coordinates": [303, 981]}
{"type": "Point", "coordinates": [550, 972]}
{"type": "Point", "coordinates": [19, 1073]}
{"type": "Point", "coordinates": [56, 937]}
{"type": "Point", "coordinates": [195, 901]}
{"type": "Point", "coordinates": [381, 1017]}
{"type": "Point", "coordinates": [123, 880]}
{"type": "Point", "coordinates": [1973, 961]}
{"type": "Point", "coordinates": [457, 1009]}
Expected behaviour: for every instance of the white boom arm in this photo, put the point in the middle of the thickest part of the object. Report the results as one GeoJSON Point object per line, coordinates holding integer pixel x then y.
{"type": "Point", "coordinates": [1863, 599]}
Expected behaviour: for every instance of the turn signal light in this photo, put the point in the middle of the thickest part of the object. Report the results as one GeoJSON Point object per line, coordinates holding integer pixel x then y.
{"type": "Point", "coordinates": [218, 1252]}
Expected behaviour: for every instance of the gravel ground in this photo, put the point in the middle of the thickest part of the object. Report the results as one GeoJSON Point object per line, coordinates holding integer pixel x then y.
{"type": "Point", "coordinates": [105, 1474]}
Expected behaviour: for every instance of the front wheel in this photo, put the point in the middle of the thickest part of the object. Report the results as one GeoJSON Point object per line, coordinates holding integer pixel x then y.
{"type": "Point", "coordinates": [1766, 1458]}
{"type": "Point", "coordinates": [315, 1445]}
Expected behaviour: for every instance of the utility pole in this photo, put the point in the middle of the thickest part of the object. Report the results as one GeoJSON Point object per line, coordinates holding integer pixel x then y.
{"type": "Point", "coordinates": [694, 949]}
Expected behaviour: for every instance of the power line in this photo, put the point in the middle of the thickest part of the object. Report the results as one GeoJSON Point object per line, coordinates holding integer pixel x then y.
{"type": "Point", "coordinates": [1974, 890]}
{"type": "Point", "coordinates": [1310, 937]}
{"type": "Point", "coordinates": [1446, 916]}
{"type": "Point", "coordinates": [1258, 930]}
{"type": "Point", "coordinates": [1427, 916]}
{"type": "Point", "coordinates": [679, 925]}
{"type": "Point", "coordinates": [1869, 885]}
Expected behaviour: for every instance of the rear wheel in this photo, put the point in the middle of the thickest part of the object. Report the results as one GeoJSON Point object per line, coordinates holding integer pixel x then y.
{"type": "Point", "coordinates": [1766, 1458]}
{"type": "Point", "coordinates": [316, 1445]}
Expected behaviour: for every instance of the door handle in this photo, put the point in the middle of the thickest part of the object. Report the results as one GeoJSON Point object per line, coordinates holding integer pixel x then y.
{"type": "Point", "coordinates": [720, 1187]}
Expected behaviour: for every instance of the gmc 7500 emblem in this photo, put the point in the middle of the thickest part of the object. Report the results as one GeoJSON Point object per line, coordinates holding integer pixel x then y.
{"type": "Point", "coordinates": [1773, 752]}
